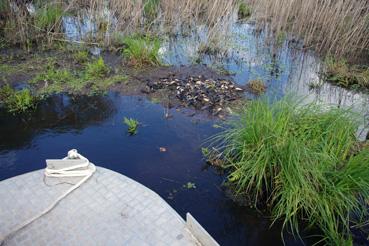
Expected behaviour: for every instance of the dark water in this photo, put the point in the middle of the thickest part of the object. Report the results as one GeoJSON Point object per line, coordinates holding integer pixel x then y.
{"type": "Point", "coordinates": [93, 125]}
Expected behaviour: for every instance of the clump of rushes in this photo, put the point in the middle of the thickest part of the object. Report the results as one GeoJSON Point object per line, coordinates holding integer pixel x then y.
{"type": "Point", "coordinates": [97, 69]}
{"type": "Point", "coordinates": [17, 102]}
{"type": "Point", "coordinates": [244, 11]}
{"type": "Point", "coordinates": [302, 162]}
{"type": "Point", "coordinates": [341, 73]}
{"type": "Point", "coordinates": [132, 125]}
{"type": "Point", "coordinates": [142, 50]}
{"type": "Point", "coordinates": [257, 86]}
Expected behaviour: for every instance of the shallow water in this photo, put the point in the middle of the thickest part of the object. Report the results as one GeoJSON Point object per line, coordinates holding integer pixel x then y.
{"type": "Point", "coordinates": [286, 70]}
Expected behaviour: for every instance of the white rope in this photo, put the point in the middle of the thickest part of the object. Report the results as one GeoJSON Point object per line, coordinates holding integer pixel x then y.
{"type": "Point", "coordinates": [85, 170]}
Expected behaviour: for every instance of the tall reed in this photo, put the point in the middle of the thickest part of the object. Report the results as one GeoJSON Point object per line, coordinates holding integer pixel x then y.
{"type": "Point", "coordinates": [123, 16]}
{"type": "Point", "coordinates": [336, 27]}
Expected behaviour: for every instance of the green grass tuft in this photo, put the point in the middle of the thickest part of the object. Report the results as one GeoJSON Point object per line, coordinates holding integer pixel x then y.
{"type": "Point", "coordinates": [94, 77]}
{"type": "Point", "coordinates": [142, 50]}
{"type": "Point", "coordinates": [300, 160]}
{"type": "Point", "coordinates": [81, 56]}
{"type": "Point", "coordinates": [97, 69]}
{"type": "Point", "coordinates": [17, 102]}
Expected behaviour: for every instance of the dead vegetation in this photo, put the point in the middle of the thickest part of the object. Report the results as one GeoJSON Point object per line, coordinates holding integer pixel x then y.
{"type": "Point", "coordinates": [339, 28]}
{"type": "Point", "coordinates": [24, 23]}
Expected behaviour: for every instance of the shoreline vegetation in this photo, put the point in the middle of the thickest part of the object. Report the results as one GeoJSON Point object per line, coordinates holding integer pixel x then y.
{"type": "Point", "coordinates": [302, 162]}
{"type": "Point", "coordinates": [135, 27]}
{"type": "Point", "coordinates": [24, 23]}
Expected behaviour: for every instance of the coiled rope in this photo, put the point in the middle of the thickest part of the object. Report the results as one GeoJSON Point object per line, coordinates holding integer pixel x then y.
{"type": "Point", "coordinates": [85, 170]}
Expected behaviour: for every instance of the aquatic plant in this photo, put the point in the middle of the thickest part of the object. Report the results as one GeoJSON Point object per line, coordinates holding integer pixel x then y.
{"type": "Point", "coordinates": [132, 125]}
{"type": "Point", "coordinates": [341, 73]}
{"type": "Point", "coordinates": [142, 50]}
{"type": "Point", "coordinates": [257, 86]}
{"type": "Point", "coordinates": [17, 101]}
{"type": "Point", "coordinates": [302, 162]}
{"type": "Point", "coordinates": [189, 185]}
{"type": "Point", "coordinates": [244, 11]}
{"type": "Point", "coordinates": [97, 69]}
{"type": "Point", "coordinates": [339, 28]}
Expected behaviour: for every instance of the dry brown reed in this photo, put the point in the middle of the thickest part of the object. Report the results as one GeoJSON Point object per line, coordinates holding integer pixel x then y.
{"type": "Point", "coordinates": [127, 16]}
{"type": "Point", "coordinates": [336, 27]}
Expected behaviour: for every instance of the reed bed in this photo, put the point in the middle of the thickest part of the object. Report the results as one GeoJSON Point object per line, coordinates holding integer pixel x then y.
{"type": "Point", "coordinates": [123, 16]}
{"type": "Point", "coordinates": [302, 162]}
{"type": "Point", "coordinates": [336, 27]}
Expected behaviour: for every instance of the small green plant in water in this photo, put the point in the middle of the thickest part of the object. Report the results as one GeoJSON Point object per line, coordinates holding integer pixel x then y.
{"type": "Point", "coordinates": [302, 159]}
{"type": "Point", "coordinates": [17, 102]}
{"type": "Point", "coordinates": [132, 125]}
{"type": "Point", "coordinates": [142, 50]}
{"type": "Point", "coordinates": [189, 185]}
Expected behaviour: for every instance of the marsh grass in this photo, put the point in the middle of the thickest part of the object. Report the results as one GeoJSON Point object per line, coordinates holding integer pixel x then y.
{"type": "Point", "coordinates": [94, 77]}
{"type": "Point", "coordinates": [339, 28]}
{"type": "Point", "coordinates": [349, 76]}
{"type": "Point", "coordinates": [151, 8]}
{"type": "Point", "coordinates": [49, 16]}
{"type": "Point", "coordinates": [97, 69]}
{"type": "Point", "coordinates": [130, 17]}
{"type": "Point", "coordinates": [142, 50]}
{"type": "Point", "coordinates": [17, 102]}
{"type": "Point", "coordinates": [81, 56]}
{"type": "Point", "coordinates": [302, 162]}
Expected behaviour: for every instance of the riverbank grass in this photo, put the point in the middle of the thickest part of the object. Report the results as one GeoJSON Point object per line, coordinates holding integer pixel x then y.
{"type": "Point", "coordinates": [17, 102]}
{"type": "Point", "coordinates": [142, 50]}
{"type": "Point", "coordinates": [348, 76]}
{"type": "Point", "coordinates": [302, 161]}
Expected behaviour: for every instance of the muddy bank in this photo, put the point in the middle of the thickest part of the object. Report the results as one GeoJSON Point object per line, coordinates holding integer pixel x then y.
{"type": "Point", "coordinates": [47, 73]}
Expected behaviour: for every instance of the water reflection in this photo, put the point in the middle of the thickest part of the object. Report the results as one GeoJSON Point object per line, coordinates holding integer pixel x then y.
{"type": "Point", "coordinates": [60, 113]}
